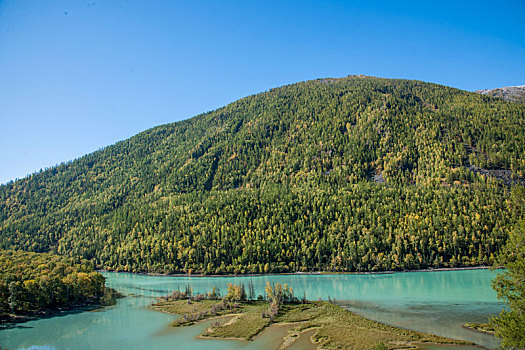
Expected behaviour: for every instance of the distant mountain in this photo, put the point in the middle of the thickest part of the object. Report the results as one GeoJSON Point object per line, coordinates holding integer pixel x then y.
{"type": "Point", "coordinates": [350, 174]}
{"type": "Point", "coordinates": [507, 93]}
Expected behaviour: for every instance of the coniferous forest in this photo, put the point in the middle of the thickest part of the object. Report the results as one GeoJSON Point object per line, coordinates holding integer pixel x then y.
{"type": "Point", "coordinates": [352, 174]}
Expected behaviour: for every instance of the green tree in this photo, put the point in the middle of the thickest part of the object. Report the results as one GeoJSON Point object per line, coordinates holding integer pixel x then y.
{"type": "Point", "coordinates": [510, 285]}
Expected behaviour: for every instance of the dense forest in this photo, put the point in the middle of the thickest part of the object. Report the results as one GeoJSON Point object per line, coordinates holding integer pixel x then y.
{"type": "Point", "coordinates": [352, 174]}
{"type": "Point", "coordinates": [32, 282]}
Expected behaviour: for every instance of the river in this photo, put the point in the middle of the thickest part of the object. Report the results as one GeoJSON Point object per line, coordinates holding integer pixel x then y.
{"type": "Point", "coordinates": [437, 302]}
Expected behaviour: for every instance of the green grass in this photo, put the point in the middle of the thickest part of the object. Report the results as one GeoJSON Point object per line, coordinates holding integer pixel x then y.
{"type": "Point", "coordinates": [299, 313]}
{"type": "Point", "coordinates": [246, 326]}
{"type": "Point", "coordinates": [181, 307]}
{"type": "Point", "coordinates": [191, 311]}
{"type": "Point", "coordinates": [341, 329]}
{"type": "Point", "coordinates": [336, 328]}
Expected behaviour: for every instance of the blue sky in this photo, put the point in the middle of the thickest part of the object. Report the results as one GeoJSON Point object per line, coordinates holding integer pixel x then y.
{"type": "Point", "coordinates": [76, 76]}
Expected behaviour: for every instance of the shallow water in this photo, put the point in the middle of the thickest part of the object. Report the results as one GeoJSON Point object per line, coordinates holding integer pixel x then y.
{"type": "Point", "coordinates": [437, 302]}
{"type": "Point", "coordinates": [303, 342]}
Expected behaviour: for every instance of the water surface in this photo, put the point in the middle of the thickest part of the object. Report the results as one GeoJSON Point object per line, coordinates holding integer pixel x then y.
{"type": "Point", "coordinates": [437, 302]}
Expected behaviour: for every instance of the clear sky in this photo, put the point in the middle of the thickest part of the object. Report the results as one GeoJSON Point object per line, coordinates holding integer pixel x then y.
{"type": "Point", "coordinates": [76, 76]}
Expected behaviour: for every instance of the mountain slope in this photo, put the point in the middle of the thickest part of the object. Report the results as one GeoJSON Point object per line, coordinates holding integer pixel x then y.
{"type": "Point", "coordinates": [507, 93]}
{"type": "Point", "coordinates": [284, 181]}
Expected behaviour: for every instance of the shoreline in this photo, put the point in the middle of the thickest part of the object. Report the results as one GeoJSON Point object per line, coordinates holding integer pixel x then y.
{"type": "Point", "coordinates": [156, 274]}
{"type": "Point", "coordinates": [474, 329]}
{"type": "Point", "coordinates": [7, 321]}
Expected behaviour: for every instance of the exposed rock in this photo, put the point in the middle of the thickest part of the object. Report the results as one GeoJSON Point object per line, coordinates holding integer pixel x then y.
{"type": "Point", "coordinates": [507, 93]}
{"type": "Point", "coordinates": [377, 176]}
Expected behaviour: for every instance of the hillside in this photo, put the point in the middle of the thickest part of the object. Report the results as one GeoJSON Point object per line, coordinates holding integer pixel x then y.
{"type": "Point", "coordinates": [347, 174]}
{"type": "Point", "coordinates": [507, 93]}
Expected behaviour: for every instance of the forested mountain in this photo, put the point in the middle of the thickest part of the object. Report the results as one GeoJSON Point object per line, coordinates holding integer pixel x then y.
{"type": "Point", "coordinates": [347, 174]}
{"type": "Point", "coordinates": [507, 93]}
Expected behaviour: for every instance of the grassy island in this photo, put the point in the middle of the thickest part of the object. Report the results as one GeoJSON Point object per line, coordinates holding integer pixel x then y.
{"type": "Point", "coordinates": [238, 316]}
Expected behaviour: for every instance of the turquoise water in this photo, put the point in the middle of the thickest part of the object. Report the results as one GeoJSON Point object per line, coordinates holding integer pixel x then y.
{"type": "Point", "coordinates": [437, 302]}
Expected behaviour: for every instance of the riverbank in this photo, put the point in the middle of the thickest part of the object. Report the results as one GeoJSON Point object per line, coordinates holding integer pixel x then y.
{"type": "Point", "coordinates": [155, 274]}
{"type": "Point", "coordinates": [328, 325]}
{"type": "Point", "coordinates": [9, 320]}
